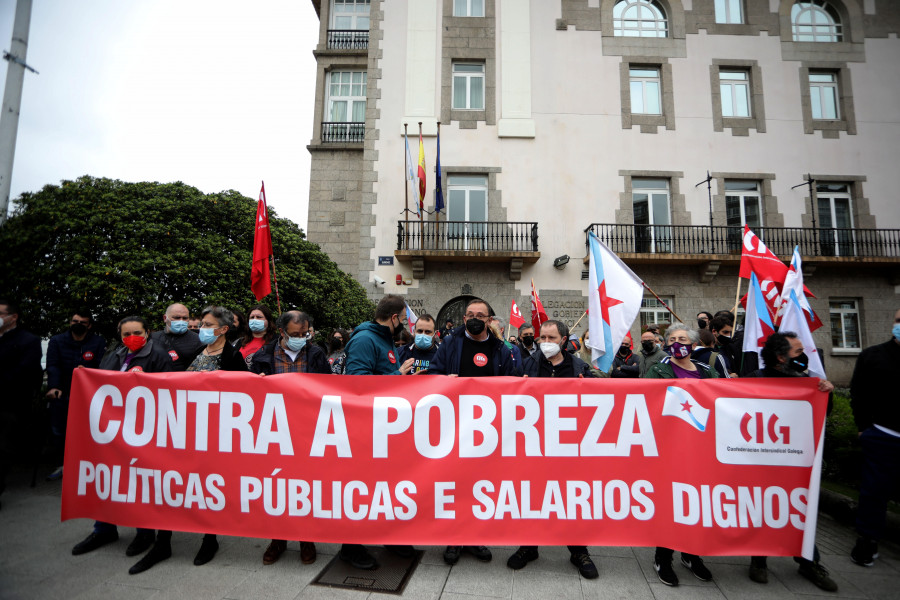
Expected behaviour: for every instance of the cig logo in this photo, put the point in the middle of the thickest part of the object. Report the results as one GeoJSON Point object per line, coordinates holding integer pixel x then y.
{"type": "Point", "coordinates": [761, 426]}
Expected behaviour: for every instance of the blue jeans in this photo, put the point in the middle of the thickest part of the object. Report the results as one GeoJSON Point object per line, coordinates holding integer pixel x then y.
{"type": "Point", "coordinates": [880, 477]}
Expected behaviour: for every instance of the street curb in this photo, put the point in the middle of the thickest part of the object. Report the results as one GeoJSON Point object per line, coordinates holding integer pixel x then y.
{"type": "Point", "coordinates": [843, 509]}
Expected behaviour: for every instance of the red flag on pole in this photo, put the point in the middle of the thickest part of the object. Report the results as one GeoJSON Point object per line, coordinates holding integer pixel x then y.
{"type": "Point", "coordinates": [538, 314]}
{"type": "Point", "coordinates": [260, 281]}
{"type": "Point", "coordinates": [515, 316]}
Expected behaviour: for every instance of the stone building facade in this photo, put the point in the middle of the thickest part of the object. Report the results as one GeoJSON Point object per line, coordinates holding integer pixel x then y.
{"type": "Point", "coordinates": [663, 132]}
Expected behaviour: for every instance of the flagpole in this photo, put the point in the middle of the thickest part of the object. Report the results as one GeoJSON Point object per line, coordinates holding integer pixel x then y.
{"type": "Point", "coordinates": [737, 299]}
{"type": "Point", "coordinates": [272, 256]}
{"type": "Point", "coordinates": [406, 158]}
{"type": "Point", "coordinates": [661, 301]}
{"type": "Point", "coordinates": [579, 320]}
{"type": "Point", "coordinates": [420, 200]}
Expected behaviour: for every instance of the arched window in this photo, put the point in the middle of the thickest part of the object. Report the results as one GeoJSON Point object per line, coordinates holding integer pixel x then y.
{"type": "Point", "coordinates": [815, 21]}
{"type": "Point", "coordinates": [639, 18]}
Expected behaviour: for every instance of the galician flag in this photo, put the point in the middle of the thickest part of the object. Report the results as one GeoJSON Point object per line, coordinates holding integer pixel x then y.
{"type": "Point", "coordinates": [794, 319]}
{"type": "Point", "coordinates": [411, 177]}
{"type": "Point", "coordinates": [758, 324]}
{"type": "Point", "coordinates": [614, 300]}
{"type": "Point", "coordinates": [411, 319]}
{"type": "Point", "coordinates": [679, 403]}
{"type": "Point", "coordinates": [793, 280]}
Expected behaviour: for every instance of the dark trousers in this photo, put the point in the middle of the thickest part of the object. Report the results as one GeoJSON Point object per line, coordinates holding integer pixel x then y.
{"type": "Point", "coordinates": [664, 555]}
{"type": "Point", "coordinates": [880, 477]}
{"type": "Point", "coordinates": [102, 527]}
{"type": "Point", "coordinates": [572, 549]}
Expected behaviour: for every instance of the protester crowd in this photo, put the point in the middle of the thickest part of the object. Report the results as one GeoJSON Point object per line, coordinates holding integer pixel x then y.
{"type": "Point", "coordinates": [220, 338]}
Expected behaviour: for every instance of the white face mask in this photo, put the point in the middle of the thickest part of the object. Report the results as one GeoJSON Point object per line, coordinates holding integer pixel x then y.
{"type": "Point", "coordinates": [549, 349]}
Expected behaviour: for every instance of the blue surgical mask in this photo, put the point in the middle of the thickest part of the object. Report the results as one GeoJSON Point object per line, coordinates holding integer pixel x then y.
{"type": "Point", "coordinates": [178, 326]}
{"type": "Point", "coordinates": [296, 344]}
{"type": "Point", "coordinates": [896, 331]}
{"type": "Point", "coordinates": [207, 335]}
{"type": "Point", "coordinates": [257, 325]}
{"type": "Point", "coordinates": [423, 341]}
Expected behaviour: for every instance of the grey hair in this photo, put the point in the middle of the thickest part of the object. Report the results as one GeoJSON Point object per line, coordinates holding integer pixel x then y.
{"type": "Point", "coordinates": [221, 314]}
{"type": "Point", "coordinates": [691, 333]}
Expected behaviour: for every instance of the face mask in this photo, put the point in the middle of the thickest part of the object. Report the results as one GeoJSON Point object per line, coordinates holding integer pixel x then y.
{"type": "Point", "coordinates": [257, 325]}
{"type": "Point", "coordinates": [78, 329]}
{"type": "Point", "coordinates": [207, 335]}
{"type": "Point", "coordinates": [648, 345]}
{"type": "Point", "coordinates": [296, 344]}
{"type": "Point", "coordinates": [423, 341]}
{"type": "Point", "coordinates": [799, 363]}
{"type": "Point", "coordinates": [134, 342]}
{"type": "Point", "coordinates": [475, 326]}
{"type": "Point", "coordinates": [549, 349]}
{"type": "Point", "coordinates": [679, 350]}
{"type": "Point", "coordinates": [724, 340]}
{"type": "Point", "coordinates": [895, 331]}
{"type": "Point", "coordinates": [178, 326]}
{"type": "Point", "coordinates": [624, 350]}
{"type": "Point", "coordinates": [528, 340]}
{"type": "Point", "coordinates": [701, 323]}
{"type": "Point", "coordinates": [398, 329]}
{"type": "Point", "coordinates": [337, 343]}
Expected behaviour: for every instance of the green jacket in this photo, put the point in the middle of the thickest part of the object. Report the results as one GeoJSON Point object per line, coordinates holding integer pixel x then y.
{"type": "Point", "coordinates": [663, 370]}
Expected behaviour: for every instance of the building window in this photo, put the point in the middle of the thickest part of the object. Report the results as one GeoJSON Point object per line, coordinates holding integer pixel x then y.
{"type": "Point", "coordinates": [743, 206]}
{"type": "Point", "coordinates": [735, 89]}
{"type": "Point", "coordinates": [467, 211]}
{"type": "Point", "coordinates": [350, 15]}
{"type": "Point", "coordinates": [652, 220]}
{"type": "Point", "coordinates": [729, 12]}
{"type": "Point", "coordinates": [346, 106]}
{"type": "Point", "coordinates": [468, 8]}
{"type": "Point", "coordinates": [654, 313]}
{"type": "Point", "coordinates": [835, 212]}
{"type": "Point", "coordinates": [845, 324]}
{"type": "Point", "coordinates": [646, 96]}
{"type": "Point", "coordinates": [468, 86]}
{"type": "Point", "coordinates": [639, 18]}
{"type": "Point", "coordinates": [815, 21]}
{"type": "Point", "coordinates": [823, 96]}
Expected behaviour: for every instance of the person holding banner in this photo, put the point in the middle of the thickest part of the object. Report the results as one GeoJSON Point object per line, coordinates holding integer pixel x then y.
{"type": "Point", "coordinates": [678, 364]}
{"type": "Point", "coordinates": [783, 356]}
{"type": "Point", "coordinates": [137, 353]}
{"type": "Point", "coordinates": [424, 346]}
{"type": "Point", "coordinates": [471, 351]}
{"type": "Point", "coordinates": [554, 362]}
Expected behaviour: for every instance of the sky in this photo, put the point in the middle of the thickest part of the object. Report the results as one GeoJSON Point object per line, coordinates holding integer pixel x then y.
{"type": "Point", "coordinates": [218, 94]}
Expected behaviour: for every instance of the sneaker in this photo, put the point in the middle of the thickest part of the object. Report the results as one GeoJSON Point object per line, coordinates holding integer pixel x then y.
{"type": "Point", "coordinates": [695, 565]}
{"type": "Point", "coordinates": [358, 557]}
{"type": "Point", "coordinates": [158, 553]}
{"type": "Point", "coordinates": [207, 551]}
{"type": "Point", "coordinates": [522, 557]}
{"type": "Point", "coordinates": [585, 565]}
{"type": "Point", "coordinates": [482, 553]}
{"type": "Point", "coordinates": [56, 475]}
{"type": "Point", "coordinates": [94, 541]}
{"type": "Point", "coordinates": [140, 543]}
{"type": "Point", "coordinates": [451, 554]}
{"type": "Point", "coordinates": [666, 573]}
{"type": "Point", "coordinates": [274, 551]}
{"type": "Point", "coordinates": [864, 552]}
{"type": "Point", "coordinates": [759, 571]}
{"type": "Point", "coordinates": [818, 575]}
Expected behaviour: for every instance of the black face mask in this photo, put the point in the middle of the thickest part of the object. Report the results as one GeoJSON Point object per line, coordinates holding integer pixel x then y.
{"type": "Point", "coordinates": [799, 363]}
{"type": "Point", "coordinates": [78, 329]}
{"type": "Point", "coordinates": [624, 350]}
{"type": "Point", "coordinates": [648, 346]}
{"type": "Point", "coordinates": [528, 340]}
{"type": "Point", "coordinates": [475, 326]}
{"type": "Point", "coordinates": [723, 340]}
{"type": "Point", "coordinates": [397, 331]}
{"type": "Point", "coordinates": [701, 323]}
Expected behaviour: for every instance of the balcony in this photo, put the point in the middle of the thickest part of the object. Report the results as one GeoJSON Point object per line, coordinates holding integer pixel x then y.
{"type": "Point", "coordinates": [713, 246]}
{"type": "Point", "coordinates": [347, 39]}
{"type": "Point", "coordinates": [343, 133]}
{"type": "Point", "coordinates": [419, 242]}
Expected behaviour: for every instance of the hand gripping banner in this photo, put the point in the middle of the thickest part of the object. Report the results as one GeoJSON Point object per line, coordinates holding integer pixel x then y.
{"type": "Point", "coordinates": [714, 467]}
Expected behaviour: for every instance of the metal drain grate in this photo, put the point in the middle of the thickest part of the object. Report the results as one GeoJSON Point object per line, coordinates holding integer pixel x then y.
{"type": "Point", "coordinates": [390, 577]}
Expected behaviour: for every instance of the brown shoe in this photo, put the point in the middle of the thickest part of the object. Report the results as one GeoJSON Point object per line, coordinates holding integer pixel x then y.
{"type": "Point", "coordinates": [273, 552]}
{"type": "Point", "coordinates": [307, 552]}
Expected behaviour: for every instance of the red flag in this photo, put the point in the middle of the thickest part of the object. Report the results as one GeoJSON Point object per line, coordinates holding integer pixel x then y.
{"type": "Point", "coordinates": [260, 282]}
{"type": "Point", "coordinates": [515, 316]}
{"type": "Point", "coordinates": [538, 314]}
{"type": "Point", "coordinates": [757, 258]}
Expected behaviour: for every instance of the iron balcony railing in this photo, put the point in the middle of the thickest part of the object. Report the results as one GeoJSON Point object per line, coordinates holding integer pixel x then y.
{"type": "Point", "coordinates": [705, 239]}
{"type": "Point", "coordinates": [347, 133]}
{"type": "Point", "coordinates": [469, 236]}
{"type": "Point", "coordinates": [347, 39]}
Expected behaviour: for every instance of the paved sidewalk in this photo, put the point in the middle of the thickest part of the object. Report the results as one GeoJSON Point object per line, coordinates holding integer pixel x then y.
{"type": "Point", "coordinates": [36, 562]}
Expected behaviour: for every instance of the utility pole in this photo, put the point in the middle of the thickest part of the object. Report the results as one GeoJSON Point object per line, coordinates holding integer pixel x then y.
{"type": "Point", "coordinates": [12, 99]}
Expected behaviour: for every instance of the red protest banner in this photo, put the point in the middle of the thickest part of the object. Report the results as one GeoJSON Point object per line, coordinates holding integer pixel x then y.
{"type": "Point", "coordinates": [708, 467]}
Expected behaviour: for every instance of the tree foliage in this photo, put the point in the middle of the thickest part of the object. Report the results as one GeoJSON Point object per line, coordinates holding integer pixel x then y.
{"type": "Point", "coordinates": [122, 248]}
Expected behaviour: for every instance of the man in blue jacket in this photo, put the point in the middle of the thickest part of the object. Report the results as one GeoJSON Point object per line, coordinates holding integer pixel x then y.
{"type": "Point", "coordinates": [76, 347]}
{"type": "Point", "coordinates": [472, 351]}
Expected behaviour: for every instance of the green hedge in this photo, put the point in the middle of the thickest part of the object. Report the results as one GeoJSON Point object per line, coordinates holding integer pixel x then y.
{"type": "Point", "coordinates": [842, 456]}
